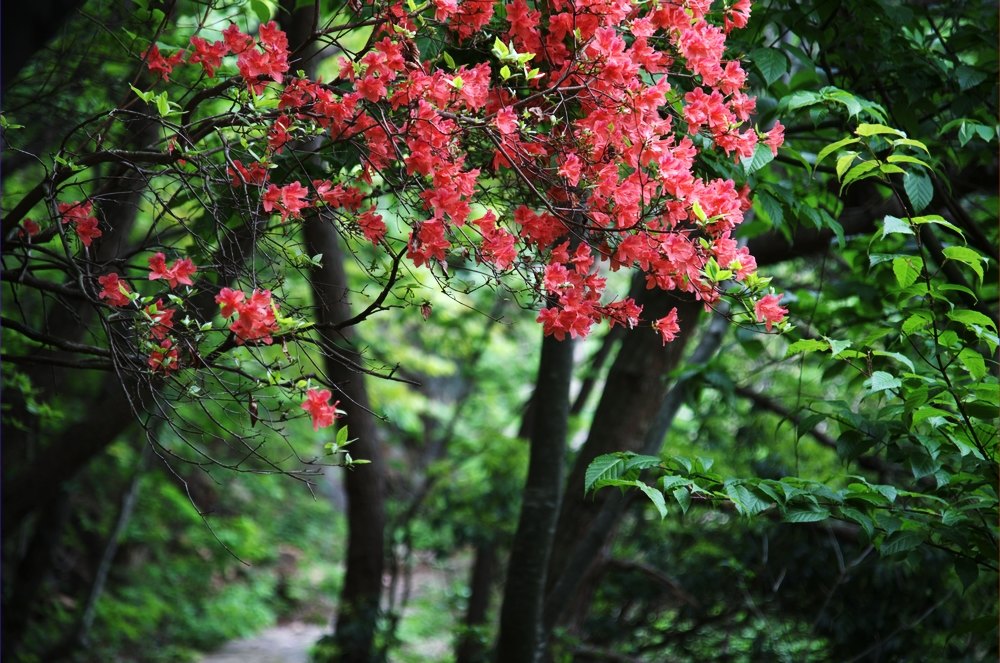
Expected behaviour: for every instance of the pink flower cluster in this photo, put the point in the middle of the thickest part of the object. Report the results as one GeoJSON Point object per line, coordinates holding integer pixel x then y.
{"type": "Point", "coordinates": [317, 404]}
{"type": "Point", "coordinates": [255, 316]}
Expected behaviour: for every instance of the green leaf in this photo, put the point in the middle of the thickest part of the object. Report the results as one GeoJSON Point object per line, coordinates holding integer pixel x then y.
{"type": "Point", "coordinates": [907, 270]}
{"type": "Point", "coordinates": [608, 466]}
{"type": "Point", "coordinates": [882, 381]}
{"type": "Point", "coordinates": [972, 319]}
{"type": "Point", "coordinates": [844, 163]}
{"type": "Point", "coordinates": [903, 359]}
{"type": "Point", "coordinates": [836, 347]}
{"type": "Point", "coordinates": [683, 498]}
{"type": "Point", "coordinates": [262, 11]}
{"type": "Point", "coordinates": [761, 157]}
{"type": "Point", "coordinates": [877, 130]}
{"type": "Point", "coordinates": [905, 158]}
{"type": "Point", "coordinates": [812, 513]}
{"type": "Point", "coordinates": [448, 60]}
{"type": "Point", "coordinates": [640, 462]}
{"type": "Point", "coordinates": [655, 496]}
{"type": "Point", "coordinates": [861, 171]}
{"type": "Point", "coordinates": [162, 105]}
{"type": "Point", "coordinates": [919, 189]}
{"type": "Point", "coordinates": [746, 501]}
{"type": "Point", "coordinates": [966, 256]}
{"type": "Point", "coordinates": [852, 514]}
{"type": "Point", "coordinates": [771, 62]}
{"type": "Point", "coordinates": [893, 225]}
{"type": "Point", "coordinates": [973, 363]}
{"type": "Point", "coordinates": [900, 542]}
{"type": "Point", "coordinates": [916, 322]}
{"type": "Point", "coordinates": [909, 142]}
{"type": "Point", "coordinates": [833, 147]}
{"type": "Point", "coordinates": [805, 346]}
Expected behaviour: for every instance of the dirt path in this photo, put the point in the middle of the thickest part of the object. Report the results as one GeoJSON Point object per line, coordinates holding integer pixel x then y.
{"type": "Point", "coordinates": [288, 643]}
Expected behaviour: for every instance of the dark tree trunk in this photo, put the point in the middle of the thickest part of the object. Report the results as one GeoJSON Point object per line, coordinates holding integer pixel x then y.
{"type": "Point", "coordinates": [635, 387]}
{"type": "Point", "coordinates": [575, 578]}
{"type": "Point", "coordinates": [358, 611]}
{"type": "Point", "coordinates": [359, 606]}
{"type": "Point", "coordinates": [521, 638]}
{"type": "Point", "coordinates": [471, 648]}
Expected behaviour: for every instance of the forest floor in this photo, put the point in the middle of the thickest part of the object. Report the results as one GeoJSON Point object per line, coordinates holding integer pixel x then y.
{"type": "Point", "coordinates": [425, 628]}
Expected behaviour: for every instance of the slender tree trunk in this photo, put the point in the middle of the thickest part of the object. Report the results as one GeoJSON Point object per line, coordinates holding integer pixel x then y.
{"type": "Point", "coordinates": [358, 611]}
{"type": "Point", "coordinates": [470, 647]}
{"type": "Point", "coordinates": [359, 606]}
{"type": "Point", "coordinates": [521, 638]}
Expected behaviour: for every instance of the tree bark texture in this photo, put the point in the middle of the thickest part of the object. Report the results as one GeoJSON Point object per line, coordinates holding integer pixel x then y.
{"type": "Point", "coordinates": [522, 639]}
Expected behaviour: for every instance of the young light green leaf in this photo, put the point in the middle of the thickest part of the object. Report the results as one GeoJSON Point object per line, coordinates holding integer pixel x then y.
{"type": "Point", "coordinates": [836, 347]}
{"type": "Point", "coordinates": [907, 270]}
{"type": "Point", "coordinates": [877, 130]}
{"type": "Point", "coordinates": [973, 363]}
{"type": "Point", "coordinates": [805, 346]}
{"type": "Point", "coordinates": [833, 147]}
{"type": "Point", "coordinates": [967, 256]}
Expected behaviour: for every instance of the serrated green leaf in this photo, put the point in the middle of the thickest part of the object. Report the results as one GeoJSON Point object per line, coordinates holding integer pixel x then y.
{"type": "Point", "coordinates": [683, 498]}
{"type": "Point", "coordinates": [746, 501]}
{"type": "Point", "coordinates": [919, 189]}
{"type": "Point", "coordinates": [812, 513]}
{"type": "Point", "coordinates": [900, 542]}
{"type": "Point", "coordinates": [882, 381]}
{"type": "Point", "coordinates": [909, 142]}
{"type": "Point", "coordinates": [972, 319]}
{"type": "Point", "coordinates": [907, 270]}
{"type": "Point", "coordinates": [967, 256]}
{"type": "Point", "coordinates": [655, 496]}
{"type": "Point", "coordinates": [844, 163]}
{"type": "Point", "coordinates": [860, 518]}
{"type": "Point", "coordinates": [916, 322]}
{"type": "Point", "coordinates": [858, 172]}
{"type": "Point", "coordinates": [608, 466]}
{"type": "Point", "coordinates": [894, 225]}
{"type": "Point", "coordinates": [761, 157]}
{"type": "Point", "coordinates": [905, 158]}
{"type": "Point", "coordinates": [770, 62]}
{"type": "Point", "coordinates": [973, 363]}
{"type": "Point", "coordinates": [836, 347]}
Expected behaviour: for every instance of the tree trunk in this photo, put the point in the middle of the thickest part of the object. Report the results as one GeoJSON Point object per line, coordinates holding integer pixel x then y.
{"type": "Point", "coordinates": [522, 638]}
{"type": "Point", "coordinates": [358, 612]}
{"type": "Point", "coordinates": [635, 387]}
{"type": "Point", "coordinates": [359, 606]}
{"type": "Point", "coordinates": [470, 647]}
{"type": "Point", "coordinates": [568, 580]}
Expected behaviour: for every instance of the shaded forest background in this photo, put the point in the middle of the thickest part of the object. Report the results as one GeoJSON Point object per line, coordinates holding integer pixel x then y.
{"type": "Point", "coordinates": [129, 540]}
